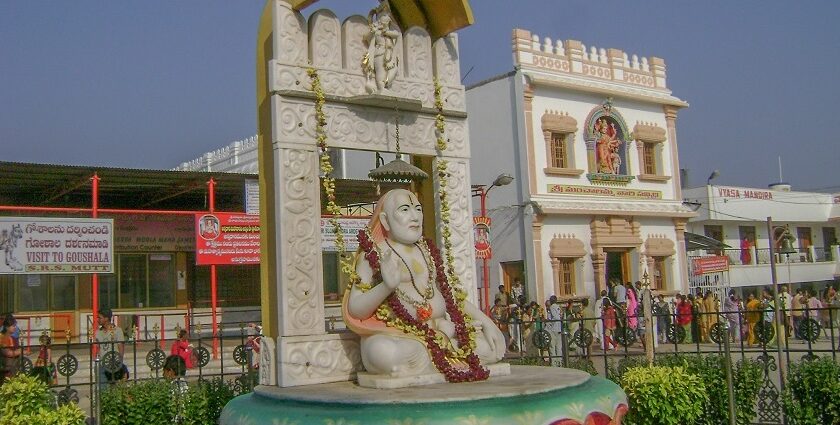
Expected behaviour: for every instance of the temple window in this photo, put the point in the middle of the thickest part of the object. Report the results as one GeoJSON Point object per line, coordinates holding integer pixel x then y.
{"type": "Point", "coordinates": [559, 134]}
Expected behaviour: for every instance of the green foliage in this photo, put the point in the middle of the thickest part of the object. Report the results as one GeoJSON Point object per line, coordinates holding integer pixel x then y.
{"type": "Point", "coordinates": [661, 395]}
{"type": "Point", "coordinates": [616, 370]}
{"type": "Point", "coordinates": [26, 401]}
{"type": "Point", "coordinates": [141, 403]}
{"type": "Point", "coordinates": [159, 402]}
{"type": "Point", "coordinates": [711, 369]}
{"type": "Point", "coordinates": [205, 402]}
{"type": "Point", "coordinates": [746, 379]}
{"type": "Point", "coordinates": [583, 364]}
{"type": "Point", "coordinates": [812, 394]}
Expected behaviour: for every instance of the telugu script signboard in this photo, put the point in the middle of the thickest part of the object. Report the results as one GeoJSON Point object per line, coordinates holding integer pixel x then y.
{"type": "Point", "coordinates": [713, 264]}
{"type": "Point", "coordinates": [224, 239]}
{"type": "Point", "coordinates": [612, 192]}
{"type": "Point", "coordinates": [153, 233]}
{"type": "Point", "coordinates": [31, 245]}
{"type": "Point", "coordinates": [349, 229]}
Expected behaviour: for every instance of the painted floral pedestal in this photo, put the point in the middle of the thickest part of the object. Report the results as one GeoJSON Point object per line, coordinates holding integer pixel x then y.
{"type": "Point", "coordinates": [530, 395]}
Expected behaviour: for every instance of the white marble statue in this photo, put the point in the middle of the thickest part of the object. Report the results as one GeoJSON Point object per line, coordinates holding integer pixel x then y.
{"type": "Point", "coordinates": [379, 63]}
{"type": "Point", "coordinates": [410, 281]}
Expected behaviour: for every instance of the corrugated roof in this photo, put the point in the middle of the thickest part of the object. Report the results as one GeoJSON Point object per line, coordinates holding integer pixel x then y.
{"type": "Point", "coordinates": [69, 186]}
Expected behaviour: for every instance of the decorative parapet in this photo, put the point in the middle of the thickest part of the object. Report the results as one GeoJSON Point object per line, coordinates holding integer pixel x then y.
{"type": "Point", "coordinates": [566, 246]}
{"type": "Point", "coordinates": [658, 245]}
{"type": "Point", "coordinates": [559, 122]}
{"type": "Point", "coordinates": [222, 159]}
{"type": "Point", "coordinates": [649, 132]}
{"type": "Point", "coordinates": [336, 48]}
{"type": "Point", "coordinates": [572, 57]}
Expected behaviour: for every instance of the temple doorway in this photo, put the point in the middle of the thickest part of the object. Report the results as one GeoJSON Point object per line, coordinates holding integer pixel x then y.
{"type": "Point", "coordinates": [618, 266]}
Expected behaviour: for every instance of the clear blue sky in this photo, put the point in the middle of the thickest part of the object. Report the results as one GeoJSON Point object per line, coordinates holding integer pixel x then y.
{"type": "Point", "coordinates": [153, 83]}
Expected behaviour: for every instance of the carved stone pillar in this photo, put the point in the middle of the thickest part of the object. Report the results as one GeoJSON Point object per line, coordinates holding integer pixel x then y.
{"type": "Point", "coordinates": [555, 275]}
{"type": "Point", "coordinates": [590, 156]}
{"type": "Point", "coordinates": [528, 108]}
{"type": "Point", "coordinates": [671, 121]}
{"type": "Point", "coordinates": [681, 258]}
{"type": "Point", "coordinates": [460, 223]}
{"type": "Point", "coordinates": [599, 261]}
{"type": "Point", "coordinates": [539, 281]}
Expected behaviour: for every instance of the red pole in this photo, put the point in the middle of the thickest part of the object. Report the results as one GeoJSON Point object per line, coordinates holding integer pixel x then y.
{"type": "Point", "coordinates": [211, 189]}
{"type": "Point", "coordinates": [485, 268]}
{"type": "Point", "coordinates": [94, 212]}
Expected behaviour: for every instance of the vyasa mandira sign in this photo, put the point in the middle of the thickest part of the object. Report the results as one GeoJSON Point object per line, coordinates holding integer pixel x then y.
{"type": "Point", "coordinates": [31, 245]}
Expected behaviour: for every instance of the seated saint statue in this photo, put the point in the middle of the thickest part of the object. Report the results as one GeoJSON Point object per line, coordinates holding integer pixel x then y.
{"type": "Point", "coordinates": [411, 321]}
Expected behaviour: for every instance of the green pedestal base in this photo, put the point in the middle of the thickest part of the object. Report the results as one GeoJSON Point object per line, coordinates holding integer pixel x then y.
{"type": "Point", "coordinates": [532, 395]}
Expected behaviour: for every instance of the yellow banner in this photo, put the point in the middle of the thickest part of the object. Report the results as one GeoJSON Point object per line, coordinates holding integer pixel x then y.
{"type": "Point", "coordinates": [568, 189]}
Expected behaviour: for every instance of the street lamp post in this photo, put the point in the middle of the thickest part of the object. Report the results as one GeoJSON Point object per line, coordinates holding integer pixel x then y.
{"type": "Point", "coordinates": [481, 191]}
{"type": "Point", "coordinates": [785, 248]}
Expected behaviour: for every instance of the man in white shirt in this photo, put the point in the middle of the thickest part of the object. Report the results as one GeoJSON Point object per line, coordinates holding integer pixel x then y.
{"type": "Point", "coordinates": [555, 327]}
{"type": "Point", "coordinates": [787, 304]}
{"type": "Point", "coordinates": [620, 294]}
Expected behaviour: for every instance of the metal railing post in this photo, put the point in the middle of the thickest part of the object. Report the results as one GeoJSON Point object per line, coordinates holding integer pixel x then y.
{"type": "Point", "coordinates": [97, 404]}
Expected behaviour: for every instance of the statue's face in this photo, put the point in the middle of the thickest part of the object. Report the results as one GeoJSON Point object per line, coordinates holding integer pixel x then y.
{"type": "Point", "coordinates": [403, 217]}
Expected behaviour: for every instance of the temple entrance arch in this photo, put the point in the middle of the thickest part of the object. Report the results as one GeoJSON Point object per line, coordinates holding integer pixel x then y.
{"type": "Point", "coordinates": [615, 249]}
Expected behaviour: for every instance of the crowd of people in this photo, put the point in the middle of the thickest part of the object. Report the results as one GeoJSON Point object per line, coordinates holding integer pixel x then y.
{"type": "Point", "coordinates": [618, 311]}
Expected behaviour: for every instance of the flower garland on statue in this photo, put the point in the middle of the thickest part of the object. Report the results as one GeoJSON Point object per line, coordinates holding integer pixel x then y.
{"type": "Point", "coordinates": [459, 364]}
{"type": "Point", "coordinates": [326, 168]}
{"type": "Point", "coordinates": [456, 364]}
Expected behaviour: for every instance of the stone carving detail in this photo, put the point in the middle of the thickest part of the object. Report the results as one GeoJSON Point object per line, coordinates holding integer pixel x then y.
{"type": "Point", "coordinates": [353, 31]}
{"type": "Point", "coordinates": [324, 358]}
{"type": "Point", "coordinates": [367, 128]}
{"type": "Point", "coordinates": [382, 60]}
{"type": "Point", "coordinates": [324, 40]}
{"type": "Point", "coordinates": [559, 122]}
{"type": "Point", "coordinates": [418, 54]}
{"type": "Point", "coordinates": [347, 84]}
{"type": "Point", "coordinates": [566, 246]}
{"type": "Point", "coordinates": [461, 223]}
{"type": "Point", "coordinates": [289, 33]}
{"type": "Point", "coordinates": [659, 246]}
{"type": "Point", "coordinates": [446, 60]}
{"type": "Point", "coordinates": [268, 362]}
{"type": "Point", "coordinates": [299, 237]}
{"type": "Point", "coordinates": [648, 132]}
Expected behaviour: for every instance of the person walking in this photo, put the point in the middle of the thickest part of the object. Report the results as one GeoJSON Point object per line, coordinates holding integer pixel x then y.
{"type": "Point", "coordinates": [10, 351]}
{"type": "Point", "coordinates": [753, 315]}
{"type": "Point", "coordinates": [730, 309]}
{"type": "Point", "coordinates": [554, 326]}
{"type": "Point", "coordinates": [684, 317]}
{"type": "Point", "coordinates": [663, 318]}
{"type": "Point", "coordinates": [786, 308]}
{"type": "Point", "coordinates": [797, 307]}
{"type": "Point", "coordinates": [110, 339]}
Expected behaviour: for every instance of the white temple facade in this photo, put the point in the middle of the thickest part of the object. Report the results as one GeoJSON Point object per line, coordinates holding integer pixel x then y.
{"type": "Point", "coordinates": [737, 217]}
{"type": "Point", "coordinates": [591, 141]}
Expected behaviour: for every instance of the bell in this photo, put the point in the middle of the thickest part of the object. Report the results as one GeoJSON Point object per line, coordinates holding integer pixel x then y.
{"type": "Point", "coordinates": [786, 245]}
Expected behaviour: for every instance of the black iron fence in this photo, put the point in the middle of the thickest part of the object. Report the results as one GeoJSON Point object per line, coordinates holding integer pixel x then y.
{"type": "Point", "coordinates": [602, 343]}
{"type": "Point", "coordinates": [70, 368]}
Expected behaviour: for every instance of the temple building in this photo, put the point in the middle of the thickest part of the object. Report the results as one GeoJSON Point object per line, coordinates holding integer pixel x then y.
{"type": "Point", "coordinates": [803, 232]}
{"type": "Point", "coordinates": [589, 135]}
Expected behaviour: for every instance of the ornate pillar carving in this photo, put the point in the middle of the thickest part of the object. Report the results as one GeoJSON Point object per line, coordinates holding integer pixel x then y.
{"type": "Point", "coordinates": [460, 224]}
{"type": "Point", "coordinates": [528, 107]}
{"type": "Point", "coordinates": [300, 293]}
{"type": "Point", "coordinates": [681, 257]}
{"type": "Point", "coordinates": [599, 261]}
{"type": "Point", "coordinates": [555, 275]}
{"type": "Point", "coordinates": [536, 232]}
{"type": "Point", "coordinates": [671, 121]}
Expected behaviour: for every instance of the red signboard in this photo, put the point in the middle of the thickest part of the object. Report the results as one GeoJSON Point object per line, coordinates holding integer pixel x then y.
{"type": "Point", "coordinates": [227, 239]}
{"type": "Point", "coordinates": [715, 264]}
{"type": "Point", "coordinates": [482, 237]}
